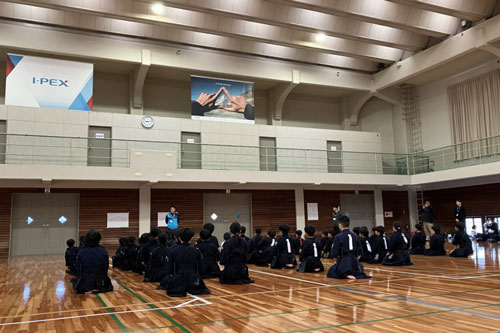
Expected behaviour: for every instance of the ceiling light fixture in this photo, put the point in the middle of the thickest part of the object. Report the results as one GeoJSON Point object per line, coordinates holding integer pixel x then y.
{"type": "Point", "coordinates": [320, 37]}
{"type": "Point", "coordinates": [157, 8]}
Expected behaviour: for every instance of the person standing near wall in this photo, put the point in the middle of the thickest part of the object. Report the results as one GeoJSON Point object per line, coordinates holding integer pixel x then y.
{"type": "Point", "coordinates": [460, 212]}
{"type": "Point", "coordinates": [172, 218]}
{"type": "Point", "coordinates": [427, 218]}
{"type": "Point", "coordinates": [336, 214]}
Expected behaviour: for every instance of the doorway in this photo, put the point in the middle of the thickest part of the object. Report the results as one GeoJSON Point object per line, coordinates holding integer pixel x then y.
{"type": "Point", "coordinates": [99, 150]}
{"type": "Point", "coordinates": [224, 209]}
{"type": "Point", "coordinates": [190, 150]}
{"type": "Point", "coordinates": [42, 223]}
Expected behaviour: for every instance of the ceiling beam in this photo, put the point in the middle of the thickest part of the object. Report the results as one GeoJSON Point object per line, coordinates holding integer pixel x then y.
{"type": "Point", "coordinates": [412, 43]}
{"type": "Point", "coordinates": [476, 38]}
{"type": "Point", "coordinates": [289, 38]}
{"type": "Point", "coordinates": [382, 18]}
{"type": "Point", "coordinates": [450, 9]}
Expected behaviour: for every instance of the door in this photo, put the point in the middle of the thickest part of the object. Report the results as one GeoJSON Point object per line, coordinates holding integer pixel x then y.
{"type": "Point", "coordinates": [3, 140]}
{"type": "Point", "coordinates": [190, 150]}
{"type": "Point", "coordinates": [267, 152]}
{"type": "Point", "coordinates": [334, 155]}
{"type": "Point", "coordinates": [224, 209]}
{"type": "Point", "coordinates": [361, 209]}
{"type": "Point", "coordinates": [99, 150]}
{"type": "Point", "coordinates": [42, 223]}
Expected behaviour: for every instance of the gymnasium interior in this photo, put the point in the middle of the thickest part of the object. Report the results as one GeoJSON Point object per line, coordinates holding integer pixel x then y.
{"type": "Point", "coordinates": [261, 112]}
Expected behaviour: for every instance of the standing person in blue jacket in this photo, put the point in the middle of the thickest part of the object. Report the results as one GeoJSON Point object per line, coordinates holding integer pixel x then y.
{"type": "Point", "coordinates": [346, 248]}
{"type": "Point", "coordinates": [172, 218]}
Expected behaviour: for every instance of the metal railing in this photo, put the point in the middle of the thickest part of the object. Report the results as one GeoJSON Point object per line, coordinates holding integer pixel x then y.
{"type": "Point", "coordinates": [70, 151]}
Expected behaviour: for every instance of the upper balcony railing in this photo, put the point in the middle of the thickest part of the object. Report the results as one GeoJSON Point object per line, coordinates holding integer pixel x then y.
{"type": "Point", "coordinates": [69, 151]}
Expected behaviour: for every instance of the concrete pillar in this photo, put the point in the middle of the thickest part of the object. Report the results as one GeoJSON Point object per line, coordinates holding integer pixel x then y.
{"type": "Point", "coordinates": [412, 210]}
{"type": "Point", "coordinates": [300, 217]}
{"type": "Point", "coordinates": [379, 207]}
{"type": "Point", "coordinates": [144, 208]}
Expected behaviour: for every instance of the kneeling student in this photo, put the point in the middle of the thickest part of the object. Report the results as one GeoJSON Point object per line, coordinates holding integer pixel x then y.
{"type": "Point", "coordinates": [310, 256]}
{"type": "Point", "coordinates": [157, 264]}
{"type": "Point", "coordinates": [93, 262]}
{"type": "Point", "coordinates": [233, 258]}
{"type": "Point", "coordinates": [436, 244]}
{"type": "Point", "coordinates": [211, 256]}
{"type": "Point", "coordinates": [285, 256]}
{"type": "Point", "coordinates": [367, 254]}
{"type": "Point", "coordinates": [185, 265]}
{"type": "Point", "coordinates": [462, 242]}
{"type": "Point", "coordinates": [379, 245]}
{"type": "Point", "coordinates": [266, 250]}
{"type": "Point", "coordinates": [418, 241]}
{"type": "Point", "coordinates": [397, 251]}
{"type": "Point", "coordinates": [70, 256]}
{"type": "Point", "coordinates": [345, 250]}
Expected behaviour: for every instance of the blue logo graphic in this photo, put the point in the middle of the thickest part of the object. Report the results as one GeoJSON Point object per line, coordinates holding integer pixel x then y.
{"type": "Point", "coordinates": [62, 220]}
{"type": "Point", "coordinates": [51, 82]}
{"type": "Point", "coordinates": [238, 215]}
{"type": "Point", "coordinates": [29, 220]}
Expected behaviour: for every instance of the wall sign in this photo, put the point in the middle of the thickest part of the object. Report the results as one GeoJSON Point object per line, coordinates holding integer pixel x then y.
{"type": "Point", "coordinates": [48, 83]}
{"type": "Point", "coordinates": [162, 219]}
{"type": "Point", "coordinates": [222, 100]}
{"type": "Point", "coordinates": [312, 211]}
{"type": "Point", "coordinates": [388, 214]}
{"type": "Point", "coordinates": [118, 220]}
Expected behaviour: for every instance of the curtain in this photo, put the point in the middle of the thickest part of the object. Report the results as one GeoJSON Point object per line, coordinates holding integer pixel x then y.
{"type": "Point", "coordinates": [475, 115]}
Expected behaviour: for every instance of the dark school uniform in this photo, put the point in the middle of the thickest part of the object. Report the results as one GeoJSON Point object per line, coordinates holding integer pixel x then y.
{"type": "Point", "coordinates": [366, 248]}
{"type": "Point", "coordinates": [212, 240]}
{"type": "Point", "coordinates": [345, 250]}
{"type": "Point", "coordinates": [399, 255]}
{"type": "Point", "coordinates": [168, 274]}
{"type": "Point", "coordinates": [93, 267]}
{"type": "Point", "coordinates": [267, 251]}
{"type": "Point", "coordinates": [418, 243]}
{"type": "Point", "coordinates": [211, 255]}
{"type": "Point", "coordinates": [254, 246]}
{"type": "Point", "coordinates": [139, 265]}
{"type": "Point", "coordinates": [234, 258]}
{"type": "Point", "coordinates": [285, 253]}
{"type": "Point", "coordinates": [465, 245]}
{"type": "Point", "coordinates": [310, 259]}
{"type": "Point", "coordinates": [119, 257]}
{"type": "Point", "coordinates": [185, 265]}
{"type": "Point", "coordinates": [379, 248]}
{"type": "Point", "coordinates": [70, 258]}
{"type": "Point", "coordinates": [130, 258]}
{"type": "Point", "coordinates": [436, 246]}
{"type": "Point", "coordinates": [298, 244]}
{"type": "Point", "coordinates": [156, 268]}
{"type": "Point", "coordinates": [460, 213]}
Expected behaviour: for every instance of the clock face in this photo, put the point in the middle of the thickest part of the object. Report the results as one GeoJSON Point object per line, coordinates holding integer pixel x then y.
{"type": "Point", "coordinates": [147, 122]}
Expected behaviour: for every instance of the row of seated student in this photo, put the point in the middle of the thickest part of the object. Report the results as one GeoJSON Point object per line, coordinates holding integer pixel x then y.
{"type": "Point", "coordinates": [490, 232]}
{"type": "Point", "coordinates": [168, 259]}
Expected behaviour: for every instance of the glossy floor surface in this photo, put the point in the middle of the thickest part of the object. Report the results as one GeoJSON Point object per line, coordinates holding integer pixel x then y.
{"type": "Point", "coordinates": [437, 294]}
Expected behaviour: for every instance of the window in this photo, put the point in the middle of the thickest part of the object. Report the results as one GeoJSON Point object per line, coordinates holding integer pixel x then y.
{"type": "Point", "coordinates": [471, 221]}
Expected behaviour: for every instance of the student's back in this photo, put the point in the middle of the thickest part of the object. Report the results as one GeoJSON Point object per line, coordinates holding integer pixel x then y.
{"type": "Point", "coordinates": [310, 256]}
{"type": "Point", "coordinates": [70, 257]}
{"type": "Point", "coordinates": [285, 248]}
{"type": "Point", "coordinates": [418, 243]}
{"type": "Point", "coordinates": [233, 258]}
{"type": "Point", "coordinates": [211, 255]}
{"type": "Point", "coordinates": [93, 262]}
{"type": "Point", "coordinates": [399, 255]}
{"type": "Point", "coordinates": [436, 246]}
{"type": "Point", "coordinates": [184, 266]}
{"type": "Point", "coordinates": [462, 240]}
{"type": "Point", "coordinates": [266, 250]}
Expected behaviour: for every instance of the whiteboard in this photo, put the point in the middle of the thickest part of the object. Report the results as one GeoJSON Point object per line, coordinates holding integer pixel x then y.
{"type": "Point", "coordinates": [312, 211]}
{"type": "Point", "coordinates": [118, 220]}
{"type": "Point", "coordinates": [162, 219]}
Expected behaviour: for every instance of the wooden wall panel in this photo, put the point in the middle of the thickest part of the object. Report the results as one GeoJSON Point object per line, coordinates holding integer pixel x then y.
{"type": "Point", "coordinates": [5, 207]}
{"type": "Point", "coordinates": [397, 203]}
{"type": "Point", "coordinates": [482, 200]}
{"type": "Point", "coordinates": [189, 203]}
{"type": "Point", "coordinates": [269, 208]}
{"type": "Point", "coordinates": [95, 204]}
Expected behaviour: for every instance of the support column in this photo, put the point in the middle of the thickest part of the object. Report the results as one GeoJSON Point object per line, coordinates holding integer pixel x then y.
{"type": "Point", "coordinates": [300, 217]}
{"type": "Point", "coordinates": [379, 207]}
{"type": "Point", "coordinates": [137, 79]}
{"type": "Point", "coordinates": [144, 208]}
{"type": "Point", "coordinates": [412, 207]}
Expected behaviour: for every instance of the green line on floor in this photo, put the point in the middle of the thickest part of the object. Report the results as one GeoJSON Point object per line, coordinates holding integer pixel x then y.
{"type": "Point", "coordinates": [115, 318]}
{"type": "Point", "coordinates": [161, 313]}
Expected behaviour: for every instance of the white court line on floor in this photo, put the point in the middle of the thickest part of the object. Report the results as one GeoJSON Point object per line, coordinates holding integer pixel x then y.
{"type": "Point", "coordinates": [183, 305]}
{"type": "Point", "coordinates": [291, 278]}
{"type": "Point", "coordinates": [432, 275]}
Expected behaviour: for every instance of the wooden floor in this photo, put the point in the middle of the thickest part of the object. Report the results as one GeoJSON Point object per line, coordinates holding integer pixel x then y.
{"type": "Point", "coordinates": [439, 294]}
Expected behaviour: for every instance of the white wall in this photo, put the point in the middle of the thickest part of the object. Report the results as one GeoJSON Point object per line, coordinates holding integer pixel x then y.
{"type": "Point", "coordinates": [111, 92]}
{"type": "Point", "coordinates": [312, 111]}
{"type": "Point", "coordinates": [377, 116]}
{"type": "Point", "coordinates": [435, 114]}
